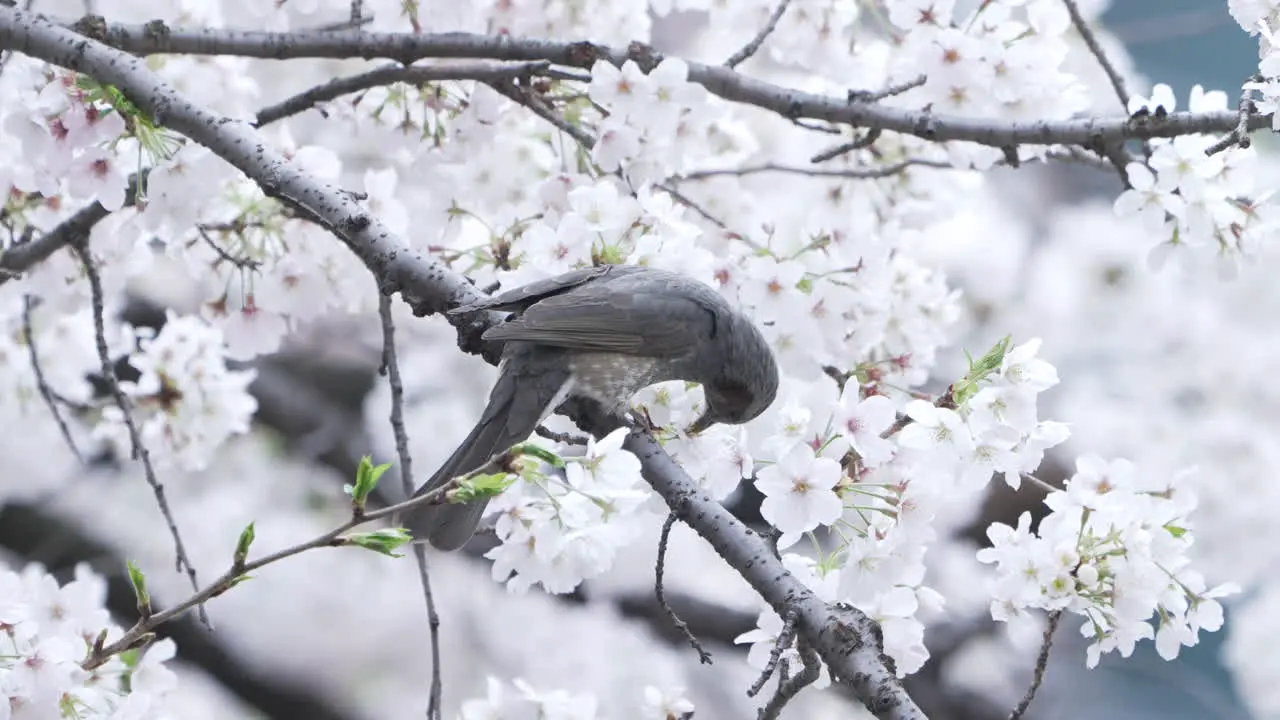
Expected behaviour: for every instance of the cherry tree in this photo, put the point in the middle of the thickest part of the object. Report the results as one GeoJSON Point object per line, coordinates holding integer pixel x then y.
{"type": "Point", "coordinates": [336, 176]}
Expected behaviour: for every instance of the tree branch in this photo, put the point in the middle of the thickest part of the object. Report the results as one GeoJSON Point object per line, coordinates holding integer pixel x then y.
{"type": "Point", "coordinates": [1091, 42]}
{"type": "Point", "coordinates": [395, 73]}
{"type": "Point", "coordinates": [788, 688]}
{"type": "Point", "coordinates": [849, 641]}
{"type": "Point", "coordinates": [20, 258]}
{"type": "Point", "coordinates": [391, 366]}
{"type": "Point", "coordinates": [870, 173]}
{"type": "Point", "coordinates": [42, 385]}
{"type": "Point", "coordinates": [139, 448]}
{"type": "Point", "coordinates": [793, 104]}
{"type": "Point", "coordinates": [1042, 662]}
{"type": "Point", "coordinates": [99, 653]}
{"type": "Point", "coordinates": [659, 592]}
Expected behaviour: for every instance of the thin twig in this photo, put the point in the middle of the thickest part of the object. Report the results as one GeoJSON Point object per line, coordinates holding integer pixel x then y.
{"type": "Point", "coordinates": [859, 143]}
{"type": "Point", "coordinates": [351, 24]}
{"type": "Point", "coordinates": [872, 96]}
{"type": "Point", "coordinates": [560, 437]}
{"type": "Point", "coordinates": [1239, 136]}
{"type": "Point", "coordinates": [780, 645]}
{"type": "Point", "coordinates": [682, 626]}
{"type": "Point", "coordinates": [810, 671]}
{"type": "Point", "coordinates": [753, 47]}
{"type": "Point", "coordinates": [1042, 662]}
{"type": "Point", "coordinates": [391, 74]}
{"type": "Point", "coordinates": [525, 97]}
{"type": "Point", "coordinates": [1113, 151]}
{"type": "Point", "coordinates": [1091, 41]}
{"type": "Point", "coordinates": [1043, 485]}
{"type": "Point", "coordinates": [99, 655]}
{"type": "Point", "coordinates": [391, 366]}
{"type": "Point", "coordinates": [850, 173]}
{"type": "Point", "coordinates": [41, 384]}
{"type": "Point", "coordinates": [569, 75]}
{"type": "Point", "coordinates": [243, 263]}
{"type": "Point", "coordinates": [946, 401]}
{"type": "Point", "coordinates": [814, 127]}
{"type": "Point", "coordinates": [139, 449]}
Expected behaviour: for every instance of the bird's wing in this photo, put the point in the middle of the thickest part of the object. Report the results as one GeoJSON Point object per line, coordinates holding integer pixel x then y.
{"type": "Point", "coordinates": [525, 295]}
{"type": "Point", "coordinates": [634, 316]}
{"type": "Point", "coordinates": [531, 385]}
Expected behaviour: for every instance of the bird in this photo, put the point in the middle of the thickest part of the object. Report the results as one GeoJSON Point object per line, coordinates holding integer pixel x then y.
{"type": "Point", "coordinates": [603, 333]}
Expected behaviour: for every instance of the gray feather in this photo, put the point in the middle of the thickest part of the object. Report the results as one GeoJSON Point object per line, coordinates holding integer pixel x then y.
{"type": "Point", "coordinates": [525, 295]}
{"type": "Point", "coordinates": [613, 315]}
{"type": "Point", "coordinates": [532, 382]}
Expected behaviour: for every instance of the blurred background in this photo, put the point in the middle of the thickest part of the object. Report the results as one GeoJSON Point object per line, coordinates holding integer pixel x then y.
{"type": "Point", "coordinates": [323, 405]}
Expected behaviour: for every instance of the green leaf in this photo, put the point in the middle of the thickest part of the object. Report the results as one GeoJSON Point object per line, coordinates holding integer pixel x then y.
{"type": "Point", "coordinates": [612, 254]}
{"type": "Point", "coordinates": [991, 361]}
{"type": "Point", "coordinates": [539, 452]}
{"type": "Point", "coordinates": [242, 546]}
{"type": "Point", "coordinates": [1176, 531]}
{"type": "Point", "coordinates": [964, 390]}
{"type": "Point", "coordinates": [383, 541]}
{"type": "Point", "coordinates": [481, 486]}
{"type": "Point", "coordinates": [139, 582]}
{"type": "Point", "coordinates": [367, 476]}
{"type": "Point", "coordinates": [979, 369]}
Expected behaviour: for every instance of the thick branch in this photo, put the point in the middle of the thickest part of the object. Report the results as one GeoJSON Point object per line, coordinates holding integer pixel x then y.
{"type": "Point", "coordinates": [426, 284]}
{"type": "Point", "coordinates": [725, 82]}
{"type": "Point", "coordinates": [847, 640]}
{"type": "Point", "coordinates": [20, 258]}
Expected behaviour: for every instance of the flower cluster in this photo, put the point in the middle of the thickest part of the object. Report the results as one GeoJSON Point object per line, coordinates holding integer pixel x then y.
{"type": "Point", "coordinates": [1205, 207]}
{"type": "Point", "coordinates": [560, 530]}
{"type": "Point", "coordinates": [1005, 59]}
{"type": "Point", "coordinates": [66, 134]}
{"type": "Point", "coordinates": [647, 114]}
{"type": "Point", "coordinates": [1113, 549]}
{"type": "Point", "coordinates": [185, 402]}
{"type": "Point", "coordinates": [45, 631]}
{"type": "Point", "coordinates": [841, 272]}
{"type": "Point", "coordinates": [878, 489]}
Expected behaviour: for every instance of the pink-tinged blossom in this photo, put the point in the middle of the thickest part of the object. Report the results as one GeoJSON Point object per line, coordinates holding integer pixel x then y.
{"type": "Point", "coordinates": [861, 422]}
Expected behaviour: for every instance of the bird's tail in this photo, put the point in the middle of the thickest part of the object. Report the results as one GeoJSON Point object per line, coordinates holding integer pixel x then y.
{"type": "Point", "coordinates": [448, 526]}
{"type": "Point", "coordinates": [528, 389]}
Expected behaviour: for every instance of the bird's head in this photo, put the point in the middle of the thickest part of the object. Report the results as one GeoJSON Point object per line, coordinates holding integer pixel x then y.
{"type": "Point", "coordinates": [745, 383]}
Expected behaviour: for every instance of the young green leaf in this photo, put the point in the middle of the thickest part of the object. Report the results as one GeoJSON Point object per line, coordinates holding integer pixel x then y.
{"type": "Point", "coordinates": [139, 582]}
{"type": "Point", "coordinates": [367, 476]}
{"type": "Point", "coordinates": [242, 546]}
{"type": "Point", "coordinates": [481, 486]}
{"type": "Point", "coordinates": [383, 541]}
{"type": "Point", "coordinates": [539, 452]}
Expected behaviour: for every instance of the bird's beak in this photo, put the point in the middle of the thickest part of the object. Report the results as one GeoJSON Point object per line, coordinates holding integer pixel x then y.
{"type": "Point", "coordinates": [701, 424]}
